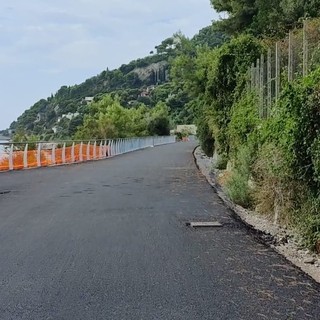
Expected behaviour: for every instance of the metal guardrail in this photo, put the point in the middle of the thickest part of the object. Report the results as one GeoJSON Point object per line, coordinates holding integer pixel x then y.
{"type": "Point", "coordinates": [18, 156]}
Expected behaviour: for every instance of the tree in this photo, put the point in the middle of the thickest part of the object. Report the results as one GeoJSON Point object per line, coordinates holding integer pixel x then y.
{"type": "Point", "coordinates": [74, 124]}
{"type": "Point", "coordinates": [264, 17]}
{"type": "Point", "coordinates": [159, 123]}
{"type": "Point", "coordinates": [108, 119]}
{"type": "Point", "coordinates": [210, 36]}
{"type": "Point", "coordinates": [241, 13]}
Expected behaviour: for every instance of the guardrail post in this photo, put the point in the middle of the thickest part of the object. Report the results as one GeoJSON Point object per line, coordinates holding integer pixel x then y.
{"type": "Point", "coordinates": [105, 149]}
{"type": "Point", "coordinates": [80, 152]}
{"type": "Point", "coordinates": [94, 155]}
{"type": "Point", "coordinates": [39, 155]}
{"type": "Point", "coordinates": [110, 148]}
{"type": "Point", "coordinates": [88, 151]}
{"type": "Point", "coordinates": [11, 158]}
{"type": "Point", "coordinates": [95, 150]}
{"type": "Point", "coordinates": [25, 157]}
{"type": "Point", "coordinates": [72, 153]}
{"type": "Point", "coordinates": [117, 147]}
{"type": "Point", "coordinates": [53, 156]}
{"type": "Point", "coordinates": [63, 156]}
{"type": "Point", "coordinates": [101, 149]}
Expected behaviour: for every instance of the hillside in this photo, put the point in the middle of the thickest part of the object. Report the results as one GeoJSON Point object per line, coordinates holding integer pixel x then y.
{"type": "Point", "coordinates": [143, 81]}
{"type": "Point", "coordinates": [60, 113]}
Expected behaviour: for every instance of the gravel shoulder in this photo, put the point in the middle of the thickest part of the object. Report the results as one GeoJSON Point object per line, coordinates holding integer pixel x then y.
{"type": "Point", "coordinates": [284, 241]}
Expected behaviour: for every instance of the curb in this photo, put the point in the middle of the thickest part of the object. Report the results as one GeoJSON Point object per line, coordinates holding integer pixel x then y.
{"type": "Point", "coordinates": [262, 236]}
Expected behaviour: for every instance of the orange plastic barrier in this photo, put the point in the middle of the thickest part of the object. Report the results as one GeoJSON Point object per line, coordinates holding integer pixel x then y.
{"type": "Point", "coordinates": [4, 163]}
{"type": "Point", "coordinates": [46, 157]}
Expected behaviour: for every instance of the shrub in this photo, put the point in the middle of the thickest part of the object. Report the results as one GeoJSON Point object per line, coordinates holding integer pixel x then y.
{"type": "Point", "coordinates": [244, 123]}
{"type": "Point", "coordinates": [275, 191]}
{"type": "Point", "coordinates": [237, 186]}
{"type": "Point", "coordinates": [294, 128]}
{"type": "Point", "coordinates": [205, 136]}
{"type": "Point", "coordinates": [307, 219]}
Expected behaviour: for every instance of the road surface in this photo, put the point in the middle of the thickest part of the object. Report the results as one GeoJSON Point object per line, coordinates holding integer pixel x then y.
{"type": "Point", "coordinates": [108, 240]}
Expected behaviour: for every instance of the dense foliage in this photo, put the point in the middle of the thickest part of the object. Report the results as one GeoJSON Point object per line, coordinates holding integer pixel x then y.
{"type": "Point", "coordinates": [273, 164]}
{"type": "Point", "coordinates": [108, 119]}
{"type": "Point", "coordinates": [264, 17]}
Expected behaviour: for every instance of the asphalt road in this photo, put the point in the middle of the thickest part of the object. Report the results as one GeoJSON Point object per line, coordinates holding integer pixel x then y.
{"type": "Point", "coordinates": [107, 240]}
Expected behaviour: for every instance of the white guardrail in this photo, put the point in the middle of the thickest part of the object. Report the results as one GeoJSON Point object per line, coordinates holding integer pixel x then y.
{"type": "Point", "coordinates": [17, 156]}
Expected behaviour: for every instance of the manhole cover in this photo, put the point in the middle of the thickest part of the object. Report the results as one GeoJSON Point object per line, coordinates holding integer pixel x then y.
{"type": "Point", "coordinates": [210, 224]}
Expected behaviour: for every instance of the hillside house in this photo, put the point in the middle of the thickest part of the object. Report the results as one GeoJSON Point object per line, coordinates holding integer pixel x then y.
{"type": "Point", "coordinates": [88, 100]}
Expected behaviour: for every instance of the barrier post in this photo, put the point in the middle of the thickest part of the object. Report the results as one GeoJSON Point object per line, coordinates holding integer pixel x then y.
{"type": "Point", "coordinates": [72, 153]}
{"type": "Point", "coordinates": [88, 151]}
{"type": "Point", "coordinates": [53, 156]}
{"type": "Point", "coordinates": [95, 150]}
{"type": "Point", "coordinates": [105, 149]}
{"type": "Point", "coordinates": [63, 156]}
{"type": "Point", "coordinates": [25, 157]}
{"type": "Point", "coordinates": [101, 148]}
{"type": "Point", "coordinates": [80, 152]}
{"type": "Point", "coordinates": [111, 148]}
{"type": "Point", "coordinates": [11, 158]}
{"type": "Point", "coordinates": [39, 156]}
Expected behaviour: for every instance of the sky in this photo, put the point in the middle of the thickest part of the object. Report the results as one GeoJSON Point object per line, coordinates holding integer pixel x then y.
{"type": "Point", "coordinates": [45, 44]}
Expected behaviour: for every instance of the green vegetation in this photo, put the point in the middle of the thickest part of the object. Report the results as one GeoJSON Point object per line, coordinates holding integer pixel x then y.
{"type": "Point", "coordinates": [135, 88]}
{"type": "Point", "coordinates": [59, 116]}
{"type": "Point", "coordinates": [275, 160]}
{"type": "Point", "coordinates": [264, 17]}
{"type": "Point", "coordinates": [275, 166]}
{"type": "Point", "coordinates": [108, 119]}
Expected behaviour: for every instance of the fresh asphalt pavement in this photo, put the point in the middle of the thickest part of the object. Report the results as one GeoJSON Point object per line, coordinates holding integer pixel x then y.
{"type": "Point", "coordinates": [108, 240]}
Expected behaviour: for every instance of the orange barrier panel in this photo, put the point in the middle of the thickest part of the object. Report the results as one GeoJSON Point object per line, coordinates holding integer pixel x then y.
{"type": "Point", "coordinates": [4, 163]}
{"type": "Point", "coordinates": [32, 159]}
{"type": "Point", "coordinates": [46, 156]}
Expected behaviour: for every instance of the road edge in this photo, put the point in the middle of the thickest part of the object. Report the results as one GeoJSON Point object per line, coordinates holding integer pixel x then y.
{"type": "Point", "coordinates": [273, 236]}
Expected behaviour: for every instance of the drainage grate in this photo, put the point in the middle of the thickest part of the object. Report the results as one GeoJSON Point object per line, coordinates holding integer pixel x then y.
{"type": "Point", "coordinates": [199, 224]}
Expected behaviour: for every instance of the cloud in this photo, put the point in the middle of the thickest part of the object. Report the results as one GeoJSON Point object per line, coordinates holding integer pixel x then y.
{"type": "Point", "coordinates": [69, 40]}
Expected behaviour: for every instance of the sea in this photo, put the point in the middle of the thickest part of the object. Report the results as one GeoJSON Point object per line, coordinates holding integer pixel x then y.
{"type": "Point", "coordinates": [2, 147]}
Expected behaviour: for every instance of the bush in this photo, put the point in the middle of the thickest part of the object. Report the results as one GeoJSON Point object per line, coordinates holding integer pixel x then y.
{"type": "Point", "coordinates": [237, 186]}
{"type": "Point", "coordinates": [244, 123]}
{"type": "Point", "coordinates": [238, 190]}
{"type": "Point", "coordinates": [205, 136]}
{"type": "Point", "coordinates": [294, 128]}
{"type": "Point", "coordinates": [179, 136]}
{"type": "Point", "coordinates": [222, 162]}
{"type": "Point", "coordinates": [307, 219]}
{"type": "Point", "coordinates": [275, 193]}
{"type": "Point", "coordinates": [159, 126]}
